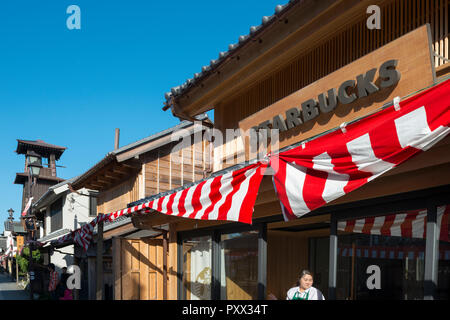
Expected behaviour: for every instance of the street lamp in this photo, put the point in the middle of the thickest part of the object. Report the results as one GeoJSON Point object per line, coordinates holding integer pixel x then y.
{"type": "Point", "coordinates": [34, 165]}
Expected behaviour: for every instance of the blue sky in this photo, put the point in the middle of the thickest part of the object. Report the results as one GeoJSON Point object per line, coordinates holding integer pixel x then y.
{"type": "Point", "coordinates": [74, 87]}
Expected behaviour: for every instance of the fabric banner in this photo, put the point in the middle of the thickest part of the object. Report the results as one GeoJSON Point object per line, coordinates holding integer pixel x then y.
{"type": "Point", "coordinates": [411, 224]}
{"type": "Point", "coordinates": [339, 162]}
{"type": "Point", "coordinates": [27, 207]}
{"type": "Point", "coordinates": [229, 197]}
{"type": "Point", "coordinates": [309, 176]}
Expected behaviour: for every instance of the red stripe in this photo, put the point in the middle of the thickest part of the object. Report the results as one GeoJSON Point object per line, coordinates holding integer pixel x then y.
{"type": "Point", "coordinates": [388, 222]}
{"type": "Point", "coordinates": [214, 196]}
{"type": "Point", "coordinates": [181, 202]}
{"type": "Point", "coordinates": [279, 180]}
{"type": "Point", "coordinates": [170, 203]}
{"type": "Point", "coordinates": [368, 224]}
{"type": "Point", "coordinates": [245, 214]}
{"type": "Point", "coordinates": [350, 224]}
{"type": "Point", "coordinates": [313, 188]}
{"type": "Point", "coordinates": [406, 226]}
{"type": "Point", "coordinates": [444, 225]}
{"type": "Point", "coordinates": [196, 204]}
{"type": "Point", "coordinates": [238, 178]}
{"type": "Point", "coordinates": [160, 201]}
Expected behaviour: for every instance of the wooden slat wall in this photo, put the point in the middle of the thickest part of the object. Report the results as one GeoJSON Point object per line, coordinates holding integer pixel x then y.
{"type": "Point", "coordinates": [344, 45]}
{"type": "Point", "coordinates": [118, 197]}
{"type": "Point", "coordinates": [167, 169]}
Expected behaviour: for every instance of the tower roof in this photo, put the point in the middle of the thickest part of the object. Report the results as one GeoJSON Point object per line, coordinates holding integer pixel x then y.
{"type": "Point", "coordinates": [40, 147]}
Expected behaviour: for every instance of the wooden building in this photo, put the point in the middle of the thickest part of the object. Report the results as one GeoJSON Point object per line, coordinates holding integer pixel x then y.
{"type": "Point", "coordinates": [304, 49]}
{"type": "Point", "coordinates": [135, 259]}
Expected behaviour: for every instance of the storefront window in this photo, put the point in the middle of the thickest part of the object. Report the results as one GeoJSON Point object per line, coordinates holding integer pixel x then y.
{"type": "Point", "coordinates": [197, 268]}
{"type": "Point", "coordinates": [443, 288]}
{"type": "Point", "coordinates": [382, 257]}
{"type": "Point", "coordinates": [239, 266]}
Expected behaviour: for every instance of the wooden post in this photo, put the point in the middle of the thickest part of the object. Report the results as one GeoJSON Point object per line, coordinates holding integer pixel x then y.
{"type": "Point", "coordinates": [117, 267]}
{"type": "Point", "coordinates": [17, 269]}
{"type": "Point", "coordinates": [165, 265]}
{"type": "Point", "coordinates": [99, 263]}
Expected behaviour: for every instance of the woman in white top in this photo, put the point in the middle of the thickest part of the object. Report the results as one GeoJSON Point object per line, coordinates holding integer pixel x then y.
{"type": "Point", "coordinates": [305, 290]}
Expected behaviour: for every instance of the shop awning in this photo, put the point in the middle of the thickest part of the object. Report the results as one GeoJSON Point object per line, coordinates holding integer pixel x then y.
{"type": "Point", "coordinates": [380, 252]}
{"type": "Point", "coordinates": [313, 173]}
{"type": "Point", "coordinates": [411, 224]}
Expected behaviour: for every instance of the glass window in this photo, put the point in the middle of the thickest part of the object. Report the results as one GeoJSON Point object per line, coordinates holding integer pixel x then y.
{"type": "Point", "coordinates": [197, 269]}
{"type": "Point", "coordinates": [239, 266]}
{"type": "Point", "coordinates": [56, 215]}
{"type": "Point", "coordinates": [443, 288]}
{"type": "Point", "coordinates": [382, 257]}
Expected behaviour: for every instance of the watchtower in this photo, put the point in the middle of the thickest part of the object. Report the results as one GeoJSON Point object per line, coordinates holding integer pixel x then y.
{"type": "Point", "coordinates": [45, 156]}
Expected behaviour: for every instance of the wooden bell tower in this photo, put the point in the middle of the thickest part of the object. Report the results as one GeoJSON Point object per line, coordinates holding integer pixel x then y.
{"type": "Point", "coordinates": [46, 155]}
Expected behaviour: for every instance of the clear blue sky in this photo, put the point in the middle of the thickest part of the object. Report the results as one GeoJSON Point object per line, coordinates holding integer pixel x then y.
{"type": "Point", "coordinates": [74, 87]}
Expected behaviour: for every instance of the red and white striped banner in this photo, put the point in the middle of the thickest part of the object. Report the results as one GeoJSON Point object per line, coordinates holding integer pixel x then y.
{"type": "Point", "coordinates": [307, 178]}
{"type": "Point", "coordinates": [399, 252]}
{"type": "Point", "coordinates": [339, 162]}
{"type": "Point", "coordinates": [27, 207]}
{"type": "Point", "coordinates": [229, 197]}
{"type": "Point", "coordinates": [411, 224]}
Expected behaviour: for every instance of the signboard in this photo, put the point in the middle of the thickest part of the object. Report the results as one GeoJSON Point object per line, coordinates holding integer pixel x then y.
{"type": "Point", "coordinates": [20, 243]}
{"type": "Point", "coordinates": [399, 68]}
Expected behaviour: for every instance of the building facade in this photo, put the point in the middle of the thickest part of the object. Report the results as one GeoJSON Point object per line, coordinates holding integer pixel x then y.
{"type": "Point", "coordinates": [268, 79]}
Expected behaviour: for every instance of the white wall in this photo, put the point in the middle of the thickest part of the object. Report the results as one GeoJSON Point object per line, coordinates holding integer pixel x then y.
{"type": "Point", "coordinates": [75, 213]}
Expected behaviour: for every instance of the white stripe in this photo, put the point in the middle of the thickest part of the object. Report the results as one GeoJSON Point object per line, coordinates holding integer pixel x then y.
{"type": "Point", "coordinates": [188, 201]}
{"type": "Point", "coordinates": [359, 225]}
{"type": "Point", "coordinates": [224, 190]}
{"type": "Point", "coordinates": [341, 225]}
{"type": "Point", "coordinates": [377, 225]}
{"type": "Point", "coordinates": [164, 204]}
{"type": "Point", "coordinates": [412, 127]}
{"type": "Point", "coordinates": [155, 204]}
{"type": "Point", "coordinates": [395, 228]}
{"type": "Point", "coordinates": [175, 203]}
{"type": "Point", "coordinates": [335, 183]}
{"type": "Point", "coordinates": [363, 156]}
{"type": "Point", "coordinates": [238, 198]}
{"type": "Point", "coordinates": [295, 179]}
{"type": "Point", "coordinates": [418, 225]}
{"type": "Point", "coordinates": [204, 198]}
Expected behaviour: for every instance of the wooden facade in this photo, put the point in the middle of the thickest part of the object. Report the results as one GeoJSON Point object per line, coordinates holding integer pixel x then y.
{"type": "Point", "coordinates": [128, 175]}
{"type": "Point", "coordinates": [312, 42]}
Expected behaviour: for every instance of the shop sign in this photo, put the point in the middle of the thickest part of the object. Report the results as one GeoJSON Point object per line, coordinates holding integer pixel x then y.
{"type": "Point", "coordinates": [327, 102]}
{"type": "Point", "coordinates": [399, 68]}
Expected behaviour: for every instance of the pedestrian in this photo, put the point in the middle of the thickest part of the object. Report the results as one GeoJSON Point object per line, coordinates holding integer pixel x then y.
{"type": "Point", "coordinates": [53, 282]}
{"type": "Point", "coordinates": [62, 286]}
{"type": "Point", "coordinates": [304, 289]}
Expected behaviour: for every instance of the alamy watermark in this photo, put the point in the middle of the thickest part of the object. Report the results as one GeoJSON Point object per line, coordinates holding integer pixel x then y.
{"type": "Point", "coordinates": [74, 20]}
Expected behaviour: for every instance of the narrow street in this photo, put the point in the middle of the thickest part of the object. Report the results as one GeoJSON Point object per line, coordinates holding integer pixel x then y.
{"type": "Point", "coordinates": [10, 291]}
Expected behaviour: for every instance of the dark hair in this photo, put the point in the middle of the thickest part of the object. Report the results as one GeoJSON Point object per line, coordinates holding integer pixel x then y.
{"type": "Point", "coordinates": [51, 266]}
{"type": "Point", "coordinates": [302, 274]}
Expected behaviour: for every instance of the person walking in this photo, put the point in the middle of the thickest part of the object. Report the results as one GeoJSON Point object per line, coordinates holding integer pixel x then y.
{"type": "Point", "coordinates": [304, 289]}
{"type": "Point", "coordinates": [53, 282]}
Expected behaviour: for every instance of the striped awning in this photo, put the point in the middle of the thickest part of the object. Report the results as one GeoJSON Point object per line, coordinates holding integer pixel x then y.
{"type": "Point", "coordinates": [312, 174]}
{"type": "Point", "coordinates": [411, 224]}
{"type": "Point", "coordinates": [384, 252]}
